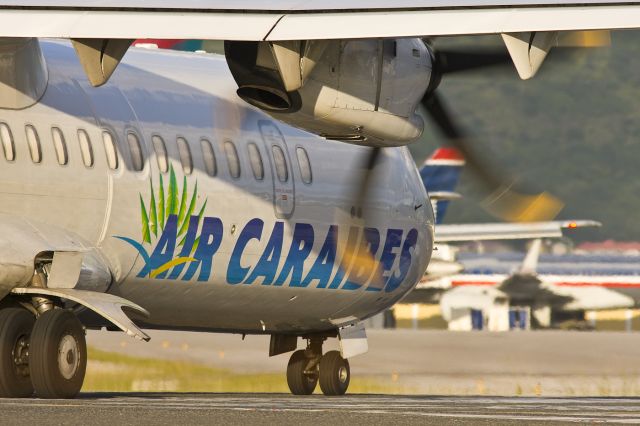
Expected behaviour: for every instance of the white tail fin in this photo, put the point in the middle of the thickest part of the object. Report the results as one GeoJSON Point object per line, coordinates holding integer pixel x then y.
{"type": "Point", "coordinates": [530, 263]}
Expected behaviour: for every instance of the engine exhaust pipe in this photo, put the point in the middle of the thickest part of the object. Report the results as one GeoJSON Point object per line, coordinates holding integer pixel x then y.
{"type": "Point", "coordinates": [259, 83]}
{"type": "Point", "coordinates": [266, 98]}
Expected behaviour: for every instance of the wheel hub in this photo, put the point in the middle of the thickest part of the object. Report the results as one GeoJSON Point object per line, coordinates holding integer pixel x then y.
{"type": "Point", "coordinates": [342, 374]}
{"type": "Point", "coordinates": [68, 357]}
{"type": "Point", "coordinates": [20, 355]}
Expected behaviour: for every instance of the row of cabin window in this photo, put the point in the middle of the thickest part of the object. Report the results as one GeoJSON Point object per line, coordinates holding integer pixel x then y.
{"type": "Point", "coordinates": [137, 154]}
{"type": "Point", "coordinates": [233, 161]}
{"type": "Point", "coordinates": [60, 146]}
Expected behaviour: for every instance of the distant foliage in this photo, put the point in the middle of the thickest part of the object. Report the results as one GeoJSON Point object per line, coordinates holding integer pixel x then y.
{"type": "Point", "coordinates": [573, 130]}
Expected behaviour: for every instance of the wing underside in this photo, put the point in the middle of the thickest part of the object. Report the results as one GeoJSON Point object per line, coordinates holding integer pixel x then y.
{"type": "Point", "coordinates": [305, 20]}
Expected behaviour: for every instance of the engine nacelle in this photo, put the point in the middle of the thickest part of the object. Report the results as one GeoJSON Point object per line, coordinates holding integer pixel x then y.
{"type": "Point", "coordinates": [359, 91]}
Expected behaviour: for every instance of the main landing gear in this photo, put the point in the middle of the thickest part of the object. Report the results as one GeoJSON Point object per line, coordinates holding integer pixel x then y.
{"type": "Point", "coordinates": [47, 355]}
{"type": "Point", "coordinates": [308, 367]}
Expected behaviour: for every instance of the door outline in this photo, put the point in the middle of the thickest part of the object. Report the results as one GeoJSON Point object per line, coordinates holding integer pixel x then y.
{"type": "Point", "coordinates": [284, 203]}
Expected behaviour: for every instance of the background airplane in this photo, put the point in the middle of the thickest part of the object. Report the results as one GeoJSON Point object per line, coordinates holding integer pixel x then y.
{"type": "Point", "coordinates": [546, 296]}
{"type": "Point", "coordinates": [564, 291]}
{"type": "Point", "coordinates": [440, 175]}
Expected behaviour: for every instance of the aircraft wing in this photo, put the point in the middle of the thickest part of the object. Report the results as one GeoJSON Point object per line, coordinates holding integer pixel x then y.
{"type": "Point", "coordinates": [507, 231]}
{"type": "Point", "coordinates": [256, 20]}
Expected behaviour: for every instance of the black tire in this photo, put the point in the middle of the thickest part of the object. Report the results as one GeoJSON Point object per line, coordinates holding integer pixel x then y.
{"type": "Point", "coordinates": [58, 355]}
{"type": "Point", "coordinates": [299, 382]}
{"type": "Point", "coordinates": [16, 325]}
{"type": "Point", "coordinates": [334, 374]}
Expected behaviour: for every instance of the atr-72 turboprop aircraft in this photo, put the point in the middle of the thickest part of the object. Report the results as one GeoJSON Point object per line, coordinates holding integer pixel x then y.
{"type": "Point", "coordinates": [179, 192]}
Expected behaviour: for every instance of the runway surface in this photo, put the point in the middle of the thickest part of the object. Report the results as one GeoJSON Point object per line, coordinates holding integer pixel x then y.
{"type": "Point", "coordinates": [540, 363]}
{"type": "Point", "coordinates": [142, 409]}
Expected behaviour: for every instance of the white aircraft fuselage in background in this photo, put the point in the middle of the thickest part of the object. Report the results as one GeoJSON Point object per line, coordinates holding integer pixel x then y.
{"type": "Point", "coordinates": [216, 250]}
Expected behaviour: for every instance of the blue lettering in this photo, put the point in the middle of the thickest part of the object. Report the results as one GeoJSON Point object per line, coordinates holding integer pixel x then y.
{"type": "Point", "coordinates": [365, 264]}
{"type": "Point", "coordinates": [208, 243]}
{"type": "Point", "coordinates": [268, 264]}
{"type": "Point", "coordinates": [163, 253]}
{"type": "Point", "coordinates": [387, 258]}
{"type": "Point", "coordinates": [301, 246]}
{"type": "Point", "coordinates": [405, 261]}
{"type": "Point", "coordinates": [236, 272]}
{"type": "Point", "coordinates": [347, 257]}
{"type": "Point", "coordinates": [323, 266]}
{"type": "Point", "coordinates": [187, 246]}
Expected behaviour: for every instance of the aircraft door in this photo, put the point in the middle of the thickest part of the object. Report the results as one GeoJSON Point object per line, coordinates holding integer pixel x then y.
{"type": "Point", "coordinates": [128, 176]}
{"type": "Point", "coordinates": [281, 169]}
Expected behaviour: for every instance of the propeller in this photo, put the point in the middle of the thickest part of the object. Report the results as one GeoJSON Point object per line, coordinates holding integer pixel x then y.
{"type": "Point", "coordinates": [452, 61]}
{"type": "Point", "coordinates": [505, 200]}
{"type": "Point", "coordinates": [356, 257]}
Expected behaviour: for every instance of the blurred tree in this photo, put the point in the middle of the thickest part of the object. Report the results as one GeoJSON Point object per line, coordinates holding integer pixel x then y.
{"type": "Point", "coordinates": [572, 130]}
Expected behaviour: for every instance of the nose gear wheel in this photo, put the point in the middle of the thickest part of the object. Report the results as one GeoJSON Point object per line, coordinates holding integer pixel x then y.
{"type": "Point", "coordinates": [301, 381]}
{"type": "Point", "coordinates": [334, 374]}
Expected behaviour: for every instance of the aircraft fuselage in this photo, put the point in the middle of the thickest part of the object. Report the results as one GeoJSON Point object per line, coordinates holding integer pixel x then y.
{"type": "Point", "coordinates": [248, 225]}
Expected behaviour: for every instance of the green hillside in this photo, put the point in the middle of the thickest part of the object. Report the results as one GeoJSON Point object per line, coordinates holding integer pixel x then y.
{"type": "Point", "coordinates": [574, 130]}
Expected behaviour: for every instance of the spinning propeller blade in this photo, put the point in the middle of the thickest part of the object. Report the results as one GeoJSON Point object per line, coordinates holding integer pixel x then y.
{"type": "Point", "coordinates": [504, 200]}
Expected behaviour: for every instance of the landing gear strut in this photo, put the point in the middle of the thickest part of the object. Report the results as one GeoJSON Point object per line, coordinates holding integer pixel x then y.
{"type": "Point", "coordinates": [307, 367]}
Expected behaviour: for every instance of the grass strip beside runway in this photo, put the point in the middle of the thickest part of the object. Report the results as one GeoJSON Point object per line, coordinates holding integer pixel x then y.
{"type": "Point", "coordinates": [113, 372]}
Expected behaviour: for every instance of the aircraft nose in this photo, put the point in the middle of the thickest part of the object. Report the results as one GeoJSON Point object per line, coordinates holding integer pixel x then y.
{"type": "Point", "coordinates": [422, 204]}
{"type": "Point", "coordinates": [423, 222]}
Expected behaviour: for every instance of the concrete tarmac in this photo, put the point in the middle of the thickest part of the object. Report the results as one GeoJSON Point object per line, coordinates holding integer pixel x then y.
{"type": "Point", "coordinates": [536, 363]}
{"type": "Point", "coordinates": [153, 409]}
{"type": "Point", "coordinates": [449, 378]}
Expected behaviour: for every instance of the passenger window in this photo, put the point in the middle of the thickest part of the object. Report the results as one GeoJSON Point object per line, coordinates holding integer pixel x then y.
{"type": "Point", "coordinates": [185, 156]}
{"type": "Point", "coordinates": [34, 143]}
{"type": "Point", "coordinates": [137, 155]}
{"type": "Point", "coordinates": [232, 159]}
{"type": "Point", "coordinates": [281, 163]}
{"type": "Point", "coordinates": [209, 157]}
{"type": "Point", "coordinates": [7, 142]}
{"type": "Point", "coordinates": [304, 164]}
{"type": "Point", "coordinates": [86, 150]}
{"type": "Point", "coordinates": [161, 153]}
{"type": "Point", "coordinates": [59, 145]}
{"type": "Point", "coordinates": [110, 150]}
{"type": "Point", "coordinates": [256, 161]}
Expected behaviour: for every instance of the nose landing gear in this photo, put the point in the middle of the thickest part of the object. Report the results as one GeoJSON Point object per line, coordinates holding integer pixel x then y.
{"type": "Point", "coordinates": [307, 367]}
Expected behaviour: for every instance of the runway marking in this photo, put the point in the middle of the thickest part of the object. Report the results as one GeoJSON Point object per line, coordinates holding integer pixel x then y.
{"type": "Point", "coordinates": [481, 408]}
